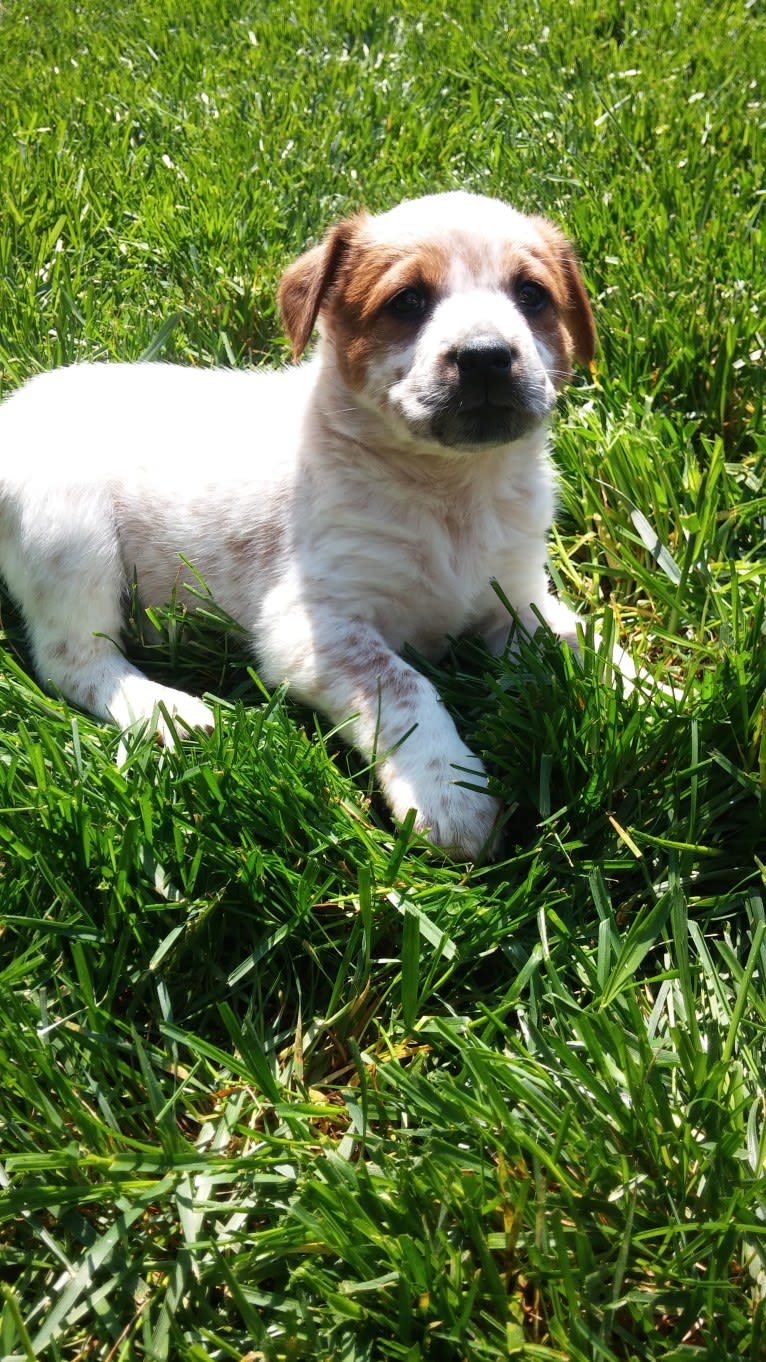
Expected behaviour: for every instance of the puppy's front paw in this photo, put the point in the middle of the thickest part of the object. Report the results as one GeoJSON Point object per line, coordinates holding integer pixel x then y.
{"type": "Point", "coordinates": [461, 821]}
{"type": "Point", "coordinates": [185, 713]}
{"type": "Point", "coordinates": [463, 825]}
{"type": "Point", "coordinates": [172, 714]}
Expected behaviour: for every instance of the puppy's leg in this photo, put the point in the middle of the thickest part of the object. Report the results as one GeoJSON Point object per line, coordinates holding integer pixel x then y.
{"type": "Point", "coordinates": [345, 669]}
{"type": "Point", "coordinates": [60, 561]}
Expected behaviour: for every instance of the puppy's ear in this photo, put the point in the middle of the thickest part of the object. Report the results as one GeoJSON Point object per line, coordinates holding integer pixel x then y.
{"type": "Point", "coordinates": [306, 283]}
{"type": "Point", "coordinates": [578, 317]}
{"type": "Point", "coordinates": [577, 314]}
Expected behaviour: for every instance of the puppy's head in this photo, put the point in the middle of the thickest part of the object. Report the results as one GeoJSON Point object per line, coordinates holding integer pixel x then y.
{"type": "Point", "coordinates": [454, 317]}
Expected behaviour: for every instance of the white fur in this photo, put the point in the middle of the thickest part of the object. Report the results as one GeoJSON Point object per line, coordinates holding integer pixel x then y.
{"type": "Point", "coordinates": [326, 521]}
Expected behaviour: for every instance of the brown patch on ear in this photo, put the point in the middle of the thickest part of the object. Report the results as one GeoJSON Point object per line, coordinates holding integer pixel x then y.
{"type": "Point", "coordinates": [576, 315]}
{"type": "Point", "coordinates": [306, 283]}
{"type": "Point", "coordinates": [579, 317]}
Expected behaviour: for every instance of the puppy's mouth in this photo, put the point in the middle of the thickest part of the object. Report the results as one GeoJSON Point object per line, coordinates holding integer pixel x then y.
{"type": "Point", "coordinates": [471, 424]}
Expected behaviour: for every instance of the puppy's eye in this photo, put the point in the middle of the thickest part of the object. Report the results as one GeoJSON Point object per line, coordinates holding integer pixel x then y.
{"type": "Point", "coordinates": [531, 297]}
{"type": "Point", "coordinates": [409, 303]}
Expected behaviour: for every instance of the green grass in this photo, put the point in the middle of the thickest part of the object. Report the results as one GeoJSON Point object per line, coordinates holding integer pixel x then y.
{"type": "Point", "coordinates": [278, 1083]}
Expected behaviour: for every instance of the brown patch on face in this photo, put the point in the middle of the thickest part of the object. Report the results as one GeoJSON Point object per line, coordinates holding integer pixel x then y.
{"type": "Point", "coordinates": [560, 262]}
{"type": "Point", "coordinates": [550, 328]}
{"type": "Point", "coordinates": [359, 319]}
{"type": "Point", "coordinates": [378, 271]}
{"type": "Point", "coordinates": [566, 327]}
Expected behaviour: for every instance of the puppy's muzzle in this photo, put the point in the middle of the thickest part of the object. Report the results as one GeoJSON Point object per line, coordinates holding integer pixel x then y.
{"type": "Point", "coordinates": [485, 398]}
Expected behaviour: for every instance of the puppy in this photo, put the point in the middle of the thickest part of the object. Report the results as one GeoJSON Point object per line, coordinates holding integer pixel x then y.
{"type": "Point", "coordinates": [338, 509]}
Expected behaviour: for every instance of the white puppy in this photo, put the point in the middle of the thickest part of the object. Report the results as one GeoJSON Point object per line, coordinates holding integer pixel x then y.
{"type": "Point", "coordinates": [338, 509]}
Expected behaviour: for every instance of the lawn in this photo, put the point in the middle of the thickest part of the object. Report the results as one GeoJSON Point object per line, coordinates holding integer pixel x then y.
{"type": "Point", "coordinates": [278, 1081]}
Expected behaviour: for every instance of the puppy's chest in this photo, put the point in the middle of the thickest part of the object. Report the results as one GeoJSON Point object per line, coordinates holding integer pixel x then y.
{"type": "Point", "coordinates": [417, 576]}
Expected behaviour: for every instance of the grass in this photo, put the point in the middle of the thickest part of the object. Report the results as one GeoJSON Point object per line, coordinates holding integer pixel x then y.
{"type": "Point", "coordinates": [279, 1083]}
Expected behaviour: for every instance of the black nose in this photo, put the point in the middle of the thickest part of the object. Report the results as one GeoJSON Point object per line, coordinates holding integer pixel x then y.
{"type": "Point", "coordinates": [484, 358]}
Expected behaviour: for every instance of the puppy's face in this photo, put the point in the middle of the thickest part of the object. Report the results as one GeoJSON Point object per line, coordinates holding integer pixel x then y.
{"type": "Point", "coordinates": [453, 317]}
